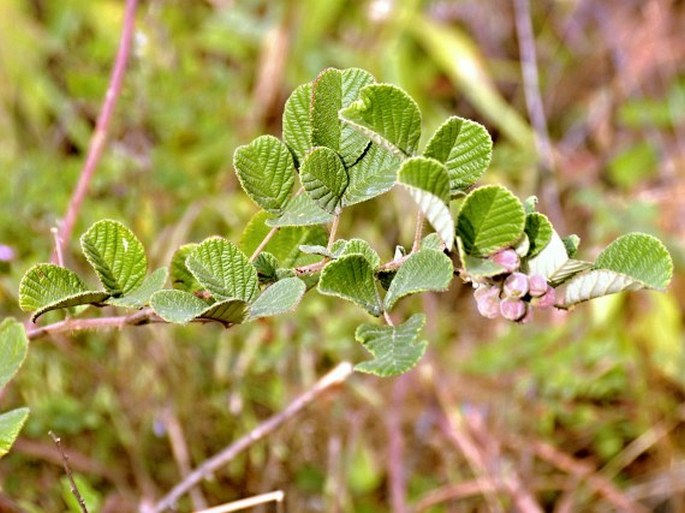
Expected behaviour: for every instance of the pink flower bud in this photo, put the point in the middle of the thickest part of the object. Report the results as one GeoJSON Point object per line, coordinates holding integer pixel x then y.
{"type": "Point", "coordinates": [507, 258]}
{"type": "Point", "coordinates": [546, 300]}
{"type": "Point", "coordinates": [512, 309]}
{"type": "Point", "coordinates": [537, 285]}
{"type": "Point", "coordinates": [516, 285]}
{"type": "Point", "coordinates": [527, 317]}
{"type": "Point", "coordinates": [487, 301]}
{"type": "Point", "coordinates": [6, 253]}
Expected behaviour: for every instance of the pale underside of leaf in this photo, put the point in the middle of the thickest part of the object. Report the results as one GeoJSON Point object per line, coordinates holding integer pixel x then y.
{"type": "Point", "coordinates": [597, 283]}
{"type": "Point", "coordinates": [117, 256]}
{"type": "Point", "coordinates": [281, 297]}
{"type": "Point", "coordinates": [266, 172]}
{"type": "Point", "coordinates": [396, 349]}
{"type": "Point", "coordinates": [11, 423]}
{"type": "Point", "coordinates": [569, 269]}
{"type": "Point", "coordinates": [13, 349]}
{"type": "Point", "coordinates": [301, 211]}
{"type": "Point", "coordinates": [223, 270]}
{"type": "Point", "coordinates": [491, 218]}
{"type": "Point", "coordinates": [550, 260]}
{"type": "Point", "coordinates": [388, 116]}
{"type": "Point", "coordinates": [465, 147]}
{"type": "Point", "coordinates": [351, 278]}
{"type": "Point", "coordinates": [324, 179]}
{"type": "Point", "coordinates": [141, 296]}
{"type": "Point", "coordinates": [437, 214]}
{"type": "Point", "coordinates": [426, 270]}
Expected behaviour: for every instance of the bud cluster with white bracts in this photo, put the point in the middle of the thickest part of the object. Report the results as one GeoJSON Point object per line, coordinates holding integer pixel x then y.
{"type": "Point", "coordinates": [513, 294]}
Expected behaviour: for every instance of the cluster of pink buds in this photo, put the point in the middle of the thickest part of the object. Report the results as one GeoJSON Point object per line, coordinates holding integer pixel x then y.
{"type": "Point", "coordinates": [513, 294]}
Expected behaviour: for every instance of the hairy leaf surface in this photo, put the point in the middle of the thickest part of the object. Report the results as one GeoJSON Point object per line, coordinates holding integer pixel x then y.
{"type": "Point", "coordinates": [351, 277]}
{"type": "Point", "coordinates": [281, 297]}
{"type": "Point", "coordinates": [426, 270]}
{"type": "Point", "coordinates": [324, 179]}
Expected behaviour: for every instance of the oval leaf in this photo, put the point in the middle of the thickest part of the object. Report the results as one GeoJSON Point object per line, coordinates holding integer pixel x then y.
{"type": "Point", "coordinates": [374, 174]}
{"type": "Point", "coordinates": [301, 211]}
{"type": "Point", "coordinates": [351, 277]}
{"type": "Point", "coordinates": [324, 179]}
{"type": "Point", "coordinates": [228, 312]}
{"type": "Point", "coordinates": [396, 349]}
{"type": "Point", "coordinates": [141, 296]}
{"type": "Point", "coordinates": [465, 147]}
{"type": "Point", "coordinates": [491, 218]}
{"type": "Point", "coordinates": [388, 116]}
{"type": "Point", "coordinates": [47, 287]}
{"type": "Point", "coordinates": [181, 277]}
{"type": "Point", "coordinates": [266, 172]}
{"type": "Point", "coordinates": [539, 231]}
{"type": "Point", "coordinates": [177, 306]}
{"type": "Point", "coordinates": [13, 349]}
{"type": "Point", "coordinates": [283, 296]}
{"type": "Point", "coordinates": [297, 128]}
{"type": "Point", "coordinates": [640, 256]}
{"type": "Point", "coordinates": [11, 423]}
{"type": "Point", "coordinates": [597, 283]}
{"type": "Point", "coordinates": [223, 270]}
{"type": "Point", "coordinates": [117, 256]}
{"type": "Point", "coordinates": [428, 184]}
{"type": "Point", "coordinates": [360, 247]}
{"type": "Point", "coordinates": [423, 271]}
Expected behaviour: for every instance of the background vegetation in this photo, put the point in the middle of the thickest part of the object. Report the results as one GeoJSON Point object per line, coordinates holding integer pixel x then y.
{"type": "Point", "coordinates": [583, 411]}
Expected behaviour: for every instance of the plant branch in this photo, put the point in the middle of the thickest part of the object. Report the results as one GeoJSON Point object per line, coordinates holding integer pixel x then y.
{"type": "Point", "coordinates": [99, 137]}
{"type": "Point", "coordinates": [337, 376]}
{"type": "Point", "coordinates": [263, 244]}
{"type": "Point", "coordinates": [251, 502]}
{"type": "Point", "coordinates": [334, 230]}
{"type": "Point", "coordinates": [419, 231]}
{"type": "Point", "coordinates": [67, 469]}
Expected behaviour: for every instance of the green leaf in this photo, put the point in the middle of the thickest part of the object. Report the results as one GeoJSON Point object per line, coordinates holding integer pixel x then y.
{"type": "Point", "coordinates": [361, 247]}
{"type": "Point", "coordinates": [301, 211]}
{"type": "Point", "coordinates": [396, 349]}
{"type": "Point", "coordinates": [539, 231]}
{"type": "Point", "coordinates": [476, 267]}
{"type": "Point", "coordinates": [324, 179]}
{"type": "Point", "coordinates": [491, 218]}
{"type": "Point", "coordinates": [432, 241]}
{"type": "Point", "coordinates": [425, 270]}
{"type": "Point", "coordinates": [388, 116]}
{"type": "Point", "coordinates": [571, 243]}
{"type": "Point", "coordinates": [597, 283]}
{"type": "Point", "coordinates": [640, 256]}
{"type": "Point", "coordinates": [567, 271]}
{"type": "Point", "coordinates": [285, 244]}
{"type": "Point", "coordinates": [223, 270]}
{"type": "Point", "coordinates": [13, 349]}
{"type": "Point", "coordinates": [266, 172]}
{"type": "Point", "coordinates": [374, 174]}
{"type": "Point", "coordinates": [333, 90]}
{"type": "Point", "coordinates": [297, 128]}
{"type": "Point", "coordinates": [351, 277]}
{"type": "Point", "coordinates": [283, 296]}
{"type": "Point", "coordinates": [177, 306]}
{"type": "Point", "coordinates": [530, 204]}
{"type": "Point", "coordinates": [181, 277]}
{"type": "Point", "coordinates": [141, 296]}
{"type": "Point", "coordinates": [428, 184]}
{"type": "Point", "coordinates": [117, 256]}
{"type": "Point", "coordinates": [550, 260]}
{"type": "Point", "coordinates": [47, 287]}
{"type": "Point", "coordinates": [227, 312]}
{"type": "Point", "coordinates": [267, 267]}
{"type": "Point", "coordinates": [11, 423]}
{"type": "Point", "coordinates": [465, 147]}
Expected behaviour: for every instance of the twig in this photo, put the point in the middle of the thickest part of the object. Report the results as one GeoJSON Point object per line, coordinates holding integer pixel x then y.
{"type": "Point", "coordinates": [337, 376]}
{"type": "Point", "coordinates": [67, 469]}
{"type": "Point", "coordinates": [276, 496]}
{"type": "Point", "coordinates": [536, 110]}
{"type": "Point", "coordinates": [138, 318]}
{"type": "Point", "coordinates": [264, 242]}
{"type": "Point", "coordinates": [99, 137]}
{"type": "Point", "coordinates": [397, 480]}
{"type": "Point", "coordinates": [58, 246]}
{"type": "Point", "coordinates": [334, 230]}
{"type": "Point", "coordinates": [419, 231]}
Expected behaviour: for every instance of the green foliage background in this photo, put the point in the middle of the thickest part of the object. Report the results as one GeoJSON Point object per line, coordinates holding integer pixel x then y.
{"type": "Point", "coordinates": [209, 76]}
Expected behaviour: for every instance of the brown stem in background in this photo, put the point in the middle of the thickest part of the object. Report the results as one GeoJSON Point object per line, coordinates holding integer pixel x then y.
{"type": "Point", "coordinates": [397, 479]}
{"type": "Point", "coordinates": [67, 469]}
{"type": "Point", "coordinates": [99, 137]}
{"type": "Point", "coordinates": [337, 376]}
{"type": "Point", "coordinates": [536, 112]}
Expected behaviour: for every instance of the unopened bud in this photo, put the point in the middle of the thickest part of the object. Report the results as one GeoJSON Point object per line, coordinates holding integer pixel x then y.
{"type": "Point", "coordinates": [507, 258]}
{"type": "Point", "coordinates": [537, 285]}
{"type": "Point", "coordinates": [546, 300]}
{"type": "Point", "coordinates": [6, 253]}
{"type": "Point", "coordinates": [487, 301]}
{"type": "Point", "coordinates": [527, 317]}
{"type": "Point", "coordinates": [512, 309]}
{"type": "Point", "coordinates": [516, 285]}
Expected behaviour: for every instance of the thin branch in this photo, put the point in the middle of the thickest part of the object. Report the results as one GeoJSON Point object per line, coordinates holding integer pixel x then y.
{"type": "Point", "coordinates": [419, 231]}
{"type": "Point", "coordinates": [337, 376]}
{"type": "Point", "coordinates": [334, 230]}
{"type": "Point", "coordinates": [397, 479]}
{"type": "Point", "coordinates": [536, 110]}
{"type": "Point", "coordinates": [264, 242]}
{"type": "Point", "coordinates": [99, 137]}
{"type": "Point", "coordinates": [59, 257]}
{"type": "Point", "coordinates": [67, 469]}
{"type": "Point", "coordinates": [276, 496]}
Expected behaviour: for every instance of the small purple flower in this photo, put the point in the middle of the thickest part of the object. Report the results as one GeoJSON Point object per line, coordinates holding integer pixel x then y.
{"type": "Point", "coordinates": [7, 253]}
{"type": "Point", "coordinates": [516, 285]}
{"type": "Point", "coordinates": [546, 300]}
{"type": "Point", "coordinates": [507, 258]}
{"type": "Point", "coordinates": [487, 301]}
{"type": "Point", "coordinates": [537, 285]}
{"type": "Point", "coordinates": [512, 309]}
